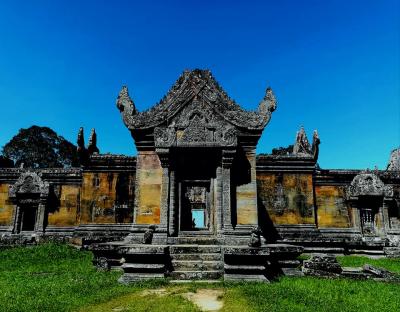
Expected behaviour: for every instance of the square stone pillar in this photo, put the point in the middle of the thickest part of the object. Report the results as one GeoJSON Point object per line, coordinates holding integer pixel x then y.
{"type": "Point", "coordinates": [246, 194]}
{"type": "Point", "coordinates": [40, 216]}
{"type": "Point", "coordinates": [227, 160]}
{"type": "Point", "coordinates": [165, 189]}
{"type": "Point", "coordinates": [172, 224]}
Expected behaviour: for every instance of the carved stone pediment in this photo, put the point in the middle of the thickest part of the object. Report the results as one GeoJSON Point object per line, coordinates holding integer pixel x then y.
{"type": "Point", "coordinates": [368, 184]}
{"type": "Point", "coordinates": [197, 124]}
{"type": "Point", "coordinates": [192, 85]}
{"type": "Point", "coordinates": [29, 183]}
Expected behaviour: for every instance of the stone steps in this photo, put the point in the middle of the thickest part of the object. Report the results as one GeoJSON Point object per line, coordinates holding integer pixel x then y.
{"type": "Point", "coordinates": [196, 262]}
{"type": "Point", "coordinates": [200, 265]}
{"type": "Point", "coordinates": [197, 256]}
{"type": "Point", "coordinates": [194, 248]}
{"type": "Point", "coordinates": [196, 275]}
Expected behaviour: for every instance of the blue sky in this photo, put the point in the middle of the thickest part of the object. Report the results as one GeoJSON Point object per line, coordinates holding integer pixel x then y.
{"type": "Point", "coordinates": [333, 65]}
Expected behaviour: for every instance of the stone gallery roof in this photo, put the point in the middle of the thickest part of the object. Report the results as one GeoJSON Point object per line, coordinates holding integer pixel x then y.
{"type": "Point", "coordinates": [196, 84]}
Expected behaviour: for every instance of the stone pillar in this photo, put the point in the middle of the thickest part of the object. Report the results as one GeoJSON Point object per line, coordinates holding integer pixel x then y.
{"type": "Point", "coordinates": [219, 206]}
{"type": "Point", "coordinates": [227, 160]}
{"type": "Point", "coordinates": [164, 159]}
{"type": "Point", "coordinates": [247, 213]}
{"type": "Point", "coordinates": [356, 215]}
{"type": "Point", "coordinates": [172, 230]}
{"type": "Point", "coordinates": [16, 221]}
{"type": "Point", "coordinates": [40, 216]}
{"type": "Point", "coordinates": [385, 215]}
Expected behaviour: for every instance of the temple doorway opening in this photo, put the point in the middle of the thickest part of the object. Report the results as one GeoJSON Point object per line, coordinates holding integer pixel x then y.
{"type": "Point", "coordinates": [196, 171]}
{"type": "Point", "coordinates": [28, 218]}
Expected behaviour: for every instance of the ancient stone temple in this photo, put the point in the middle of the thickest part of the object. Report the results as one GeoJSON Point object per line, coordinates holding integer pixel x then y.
{"type": "Point", "coordinates": [196, 162]}
{"type": "Point", "coordinates": [197, 202]}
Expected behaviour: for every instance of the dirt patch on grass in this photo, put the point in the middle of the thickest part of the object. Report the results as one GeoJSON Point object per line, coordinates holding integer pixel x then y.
{"type": "Point", "coordinates": [206, 299]}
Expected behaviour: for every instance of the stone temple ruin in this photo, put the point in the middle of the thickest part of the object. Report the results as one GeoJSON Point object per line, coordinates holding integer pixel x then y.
{"type": "Point", "coordinates": [197, 202]}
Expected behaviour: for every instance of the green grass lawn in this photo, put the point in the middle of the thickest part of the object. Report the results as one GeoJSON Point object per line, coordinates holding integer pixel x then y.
{"type": "Point", "coordinates": [60, 278]}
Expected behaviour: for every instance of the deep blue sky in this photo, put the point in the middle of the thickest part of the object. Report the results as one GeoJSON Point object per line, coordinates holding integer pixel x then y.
{"type": "Point", "coordinates": [333, 65]}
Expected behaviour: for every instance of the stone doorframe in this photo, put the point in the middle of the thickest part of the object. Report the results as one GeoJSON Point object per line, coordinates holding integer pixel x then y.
{"type": "Point", "coordinates": [32, 192]}
{"type": "Point", "coordinates": [367, 185]}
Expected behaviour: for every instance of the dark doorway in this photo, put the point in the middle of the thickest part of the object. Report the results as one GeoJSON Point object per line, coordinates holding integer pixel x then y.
{"type": "Point", "coordinates": [195, 186]}
{"type": "Point", "coordinates": [28, 218]}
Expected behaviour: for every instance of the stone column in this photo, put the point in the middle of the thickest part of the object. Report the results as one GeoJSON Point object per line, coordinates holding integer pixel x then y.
{"type": "Point", "coordinates": [172, 230]}
{"type": "Point", "coordinates": [385, 215]}
{"type": "Point", "coordinates": [40, 215]}
{"type": "Point", "coordinates": [356, 215]}
{"type": "Point", "coordinates": [16, 221]}
{"type": "Point", "coordinates": [219, 205]}
{"type": "Point", "coordinates": [247, 213]}
{"type": "Point", "coordinates": [227, 160]}
{"type": "Point", "coordinates": [165, 164]}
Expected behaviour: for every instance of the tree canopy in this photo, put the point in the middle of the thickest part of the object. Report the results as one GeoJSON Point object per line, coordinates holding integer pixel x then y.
{"type": "Point", "coordinates": [40, 147]}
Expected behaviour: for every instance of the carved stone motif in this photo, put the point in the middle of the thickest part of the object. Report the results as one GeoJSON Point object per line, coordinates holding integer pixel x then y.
{"type": "Point", "coordinates": [368, 183]}
{"type": "Point", "coordinates": [29, 183]}
{"type": "Point", "coordinates": [255, 238]}
{"type": "Point", "coordinates": [394, 161]}
{"type": "Point", "coordinates": [198, 84]}
{"type": "Point", "coordinates": [301, 146]}
{"type": "Point", "coordinates": [148, 235]}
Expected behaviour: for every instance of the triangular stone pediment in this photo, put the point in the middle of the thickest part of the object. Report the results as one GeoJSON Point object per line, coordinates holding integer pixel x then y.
{"type": "Point", "coordinates": [195, 124]}
{"type": "Point", "coordinates": [197, 85]}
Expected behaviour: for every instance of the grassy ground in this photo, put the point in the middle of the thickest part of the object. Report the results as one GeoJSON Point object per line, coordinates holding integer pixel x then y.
{"type": "Point", "coordinates": [60, 278]}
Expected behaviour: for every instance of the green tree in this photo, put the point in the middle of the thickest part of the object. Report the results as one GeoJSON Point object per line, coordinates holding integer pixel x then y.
{"type": "Point", "coordinates": [40, 147]}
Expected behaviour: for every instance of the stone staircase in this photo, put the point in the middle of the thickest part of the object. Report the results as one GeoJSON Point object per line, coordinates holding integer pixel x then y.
{"type": "Point", "coordinates": [196, 262]}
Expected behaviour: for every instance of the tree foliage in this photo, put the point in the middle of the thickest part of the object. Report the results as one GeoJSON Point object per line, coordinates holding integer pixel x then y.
{"type": "Point", "coordinates": [40, 147]}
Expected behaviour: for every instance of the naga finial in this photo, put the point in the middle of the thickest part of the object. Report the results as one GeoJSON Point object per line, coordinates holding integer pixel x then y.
{"type": "Point", "coordinates": [315, 144]}
{"type": "Point", "coordinates": [80, 140]}
{"type": "Point", "coordinates": [92, 147]}
{"type": "Point", "coordinates": [124, 103]}
{"type": "Point", "coordinates": [268, 103]}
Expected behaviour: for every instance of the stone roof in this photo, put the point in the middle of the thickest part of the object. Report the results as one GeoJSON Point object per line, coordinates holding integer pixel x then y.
{"type": "Point", "coordinates": [192, 84]}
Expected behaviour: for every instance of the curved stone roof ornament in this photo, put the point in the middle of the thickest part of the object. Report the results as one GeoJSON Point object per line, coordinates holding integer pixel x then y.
{"type": "Point", "coordinates": [125, 104]}
{"type": "Point", "coordinates": [268, 103]}
{"type": "Point", "coordinates": [368, 183]}
{"type": "Point", "coordinates": [29, 183]}
{"type": "Point", "coordinates": [394, 161]}
{"type": "Point", "coordinates": [201, 86]}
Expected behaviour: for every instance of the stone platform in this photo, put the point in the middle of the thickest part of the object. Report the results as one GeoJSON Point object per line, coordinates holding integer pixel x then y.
{"type": "Point", "coordinates": [198, 262]}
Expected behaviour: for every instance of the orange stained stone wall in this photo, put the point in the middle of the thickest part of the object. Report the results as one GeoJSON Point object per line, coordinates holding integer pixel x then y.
{"type": "Point", "coordinates": [246, 196]}
{"type": "Point", "coordinates": [332, 208]}
{"type": "Point", "coordinates": [288, 198]}
{"type": "Point", "coordinates": [6, 207]}
{"type": "Point", "coordinates": [67, 212]}
{"type": "Point", "coordinates": [148, 190]}
{"type": "Point", "coordinates": [98, 196]}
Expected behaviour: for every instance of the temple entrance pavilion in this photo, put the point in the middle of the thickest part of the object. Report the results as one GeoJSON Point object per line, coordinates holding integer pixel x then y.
{"type": "Point", "coordinates": [195, 189]}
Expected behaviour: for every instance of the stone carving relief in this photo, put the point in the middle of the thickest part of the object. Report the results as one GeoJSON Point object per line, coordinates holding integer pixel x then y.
{"type": "Point", "coordinates": [195, 84]}
{"type": "Point", "coordinates": [29, 183]}
{"type": "Point", "coordinates": [394, 161]}
{"type": "Point", "coordinates": [368, 183]}
{"type": "Point", "coordinates": [196, 125]}
{"type": "Point", "coordinates": [301, 145]}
